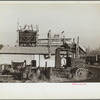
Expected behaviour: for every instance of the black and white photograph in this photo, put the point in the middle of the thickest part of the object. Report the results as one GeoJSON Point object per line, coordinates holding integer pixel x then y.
{"type": "Point", "coordinates": [49, 42]}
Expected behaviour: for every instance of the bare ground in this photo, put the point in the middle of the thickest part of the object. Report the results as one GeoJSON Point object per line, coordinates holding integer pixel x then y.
{"type": "Point", "coordinates": [55, 79]}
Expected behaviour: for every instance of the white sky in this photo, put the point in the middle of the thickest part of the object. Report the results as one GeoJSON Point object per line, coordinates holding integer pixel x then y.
{"type": "Point", "coordinates": [76, 19]}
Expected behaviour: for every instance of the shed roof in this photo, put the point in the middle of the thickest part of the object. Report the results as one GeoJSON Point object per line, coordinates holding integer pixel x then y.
{"type": "Point", "coordinates": [29, 50]}
{"type": "Point", "coordinates": [26, 50]}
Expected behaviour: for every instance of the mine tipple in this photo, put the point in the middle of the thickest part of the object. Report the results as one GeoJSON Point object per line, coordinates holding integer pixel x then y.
{"type": "Point", "coordinates": [27, 36]}
{"type": "Point", "coordinates": [54, 57]}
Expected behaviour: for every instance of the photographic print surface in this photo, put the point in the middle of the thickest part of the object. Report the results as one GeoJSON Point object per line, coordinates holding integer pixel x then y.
{"type": "Point", "coordinates": [51, 42]}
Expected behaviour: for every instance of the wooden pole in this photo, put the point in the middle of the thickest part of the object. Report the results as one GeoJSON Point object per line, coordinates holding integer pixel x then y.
{"type": "Point", "coordinates": [49, 43]}
{"type": "Point", "coordinates": [37, 31]}
{"type": "Point", "coordinates": [18, 33]}
{"type": "Point", "coordinates": [73, 40]}
{"type": "Point", "coordinates": [77, 48]}
{"type": "Point", "coordinates": [39, 60]}
{"type": "Point", "coordinates": [11, 63]}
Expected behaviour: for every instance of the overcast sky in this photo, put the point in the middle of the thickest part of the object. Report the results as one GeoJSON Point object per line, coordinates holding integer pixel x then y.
{"type": "Point", "coordinates": [76, 19]}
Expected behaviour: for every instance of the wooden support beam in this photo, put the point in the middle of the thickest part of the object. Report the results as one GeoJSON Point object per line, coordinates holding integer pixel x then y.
{"type": "Point", "coordinates": [39, 60]}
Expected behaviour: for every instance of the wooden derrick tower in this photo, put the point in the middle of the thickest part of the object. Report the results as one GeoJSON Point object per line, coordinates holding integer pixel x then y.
{"type": "Point", "coordinates": [27, 36]}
